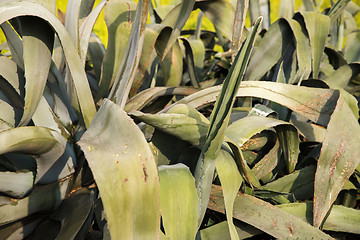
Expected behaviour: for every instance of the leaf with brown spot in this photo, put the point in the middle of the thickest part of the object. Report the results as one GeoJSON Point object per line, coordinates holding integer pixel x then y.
{"type": "Point", "coordinates": [340, 155]}
{"type": "Point", "coordinates": [266, 217]}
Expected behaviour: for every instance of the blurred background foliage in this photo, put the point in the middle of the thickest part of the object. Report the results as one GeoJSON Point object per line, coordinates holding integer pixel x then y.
{"type": "Point", "coordinates": [101, 31]}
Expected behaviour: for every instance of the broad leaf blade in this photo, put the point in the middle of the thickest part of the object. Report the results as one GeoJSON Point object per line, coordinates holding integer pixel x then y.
{"type": "Point", "coordinates": [38, 39]}
{"type": "Point", "coordinates": [116, 148]}
{"type": "Point", "coordinates": [218, 122]}
{"type": "Point", "coordinates": [168, 38]}
{"type": "Point", "coordinates": [126, 74]}
{"type": "Point", "coordinates": [118, 17]}
{"type": "Point", "coordinates": [178, 201]}
{"type": "Point", "coordinates": [317, 26]}
{"type": "Point", "coordinates": [338, 159]}
{"type": "Point", "coordinates": [267, 217]}
{"type": "Point", "coordinates": [230, 181]}
{"type": "Point", "coordinates": [12, 8]}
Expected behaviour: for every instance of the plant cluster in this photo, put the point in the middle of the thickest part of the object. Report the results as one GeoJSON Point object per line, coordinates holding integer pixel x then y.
{"type": "Point", "coordinates": [161, 136]}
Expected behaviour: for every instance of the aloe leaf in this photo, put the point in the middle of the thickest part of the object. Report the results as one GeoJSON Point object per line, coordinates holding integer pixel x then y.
{"type": "Point", "coordinates": [178, 201]}
{"type": "Point", "coordinates": [56, 163]}
{"type": "Point", "coordinates": [267, 217]}
{"type": "Point", "coordinates": [72, 20]}
{"type": "Point", "coordinates": [86, 30]}
{"type": "Point", "coordinates": [317, 26]}
{"type": "Point", "coordinates": [14, 43]}
{"type": "Point", "coordinates": [148, 56]}
{"type": "Point", "coordinates": [218, 122]}
{"type": "Point", "coordinates": [42, 198]}
{"type": "Point", "coordinates": [336, 9]}
{"type": "Point", "coordinates": [96, 51]}
{"type": "Point", "coordinates": [181, 121]}
{"type": "Point", "coordinates": [314, 103]}
{"type": "Point", "coordinates": [38, 44]}
{"type": "Point", "coordinates": [13, 8]}
{"type": "Point", "coordinates": [194, 54]}
{"type": "Point", "coordinates": [171, 67]}
{"type": "Point", "coordinates": [230, 181]}
{"type": "Point", "coordinates": [20, 229]}
{"type": "Point", "coordinates": [118, 17]}
{"type": "Point", "coordinates": [300, 183]}
{"type": "Point", "coordinates": [312, 132]}
{"type": "Point", "coordinates": [16, 184]}
{"type": "Point", "coordinates": [342, 76]}
{"type": "Point", "coordinates": [289, 141]}
{"type": "Point", "coordinates": [131, 165]}
{"type": "Point", "coordinates": [238, 27]}
{"type": "Point", "coordinates": [220, 231]}
{"type": "Point", "coordinates": [79, 205]}
{"type": "Point", "coordinates": [286, 9]}
{"type": "Point", "coordinates": [45, 117]}
{"type": "Point", "coordinates": [31, 140]}
{"type": "Point", "coordinates": [268, 162]}
{"type": "Point", "coordinates": [303, 50]}
{"type": "Point", "coordinates": [271, 48]}
{"type": "Point", "coordinates": [341, 219]}
{"type": "Point", "coordinates": [338, 159]}
{"type": "Point", "coordinates": [169, 38]}
{"type": "Point", "coordinates": [126, 74]}
{"type": "Point", "coordinates": [143, 98]}
{"type": "Point", "coordinates": [221, 13]}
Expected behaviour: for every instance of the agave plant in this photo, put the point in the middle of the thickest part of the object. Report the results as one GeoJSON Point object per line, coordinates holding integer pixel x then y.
{"type": "Point", "coordinates": [162, 136]}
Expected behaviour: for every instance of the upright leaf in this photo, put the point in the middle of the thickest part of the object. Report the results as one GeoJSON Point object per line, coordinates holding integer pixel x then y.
{"type": "Point", "coordinates": [317, 26]}
{"type": "Point", "coordinates": [338, 159]}
{"type": "Point", "coordinates": [118, 17]}
{"type": "Point", "coordinates": [38, 40]}
{"type": "Point", "coordinates": [230, 181]}
{"type": "Point", "coordinates": [218, 122]}
{"type": "Point", "coordinates": [178, 201]}
{"type": "Point", "coordinates": [125, 172]}
{"type": "Point", "coordinates": [12, 8]}
{"type": "Point", "coordinates": [126, 74]}
{"type": "Point", "coordinates": [169, 38]}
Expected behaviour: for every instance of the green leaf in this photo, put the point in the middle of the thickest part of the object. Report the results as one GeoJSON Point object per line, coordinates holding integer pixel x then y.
{"type": "Point", "coordinates": [230, 181]}
{"type": "Point", "coordinates": [114, 146]}
{"type": "Point", "coordinates": [125, 76]}
{"type": "Point", "coordinates": [313, 103]}
{"type": "Point", "coordinates": [299, 183]}
{"type": "Point", "coordinates": [181, 121]}
{"type": "Point", "coordinates": [118, 17]}
{"type": "Point", "coordinates": [338, 159]}
{"type": "Point", "coordinates": [86, 29]}
{"type": "Point", "coordinates": [31, 140]}
{"type": "Point", "coordinates": [341, 219]}
{"type": "Point", "coordinates": [14, 43]}
{"type": "Point", "coordinates": [267, 217]}
{"type": "Point", "coordinates": [171, 67]}
{"type": "Point", "coordinates": [16, 184]}
{"type": "Point", "coordinates": [144, 73]}
{"type": "Point", "coordinates": [219, 120]}
{"type": "Point", "coordinates": [220, 231]}
{"type": "Point", "coordinates": [269, 51]}
{"type": "Point", "coordinates": [221, 13]}
{"type": "Point", "coordinates": [317, 26]}
{"type": "Point", "coordinates": [167, 38]}
{"type": "Point", "coordinates": [178, 201]}
{"type": "Point", "coordinates": [238, 26]}
{"type": "Point", "coordinates": [12, 8]}
{"type": "Point", "coordinates": [139, 101]}
{"type": "Point", "coordinates": [41, 199]}
{"type": "Point", "coordinates": [303, 50]}
{"type": "Point", "coordinates": [73, 213]}
{"type": "Point", "coordinates": [38, 44]}
{"type": "Point", "coordinates": [289, 141]}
